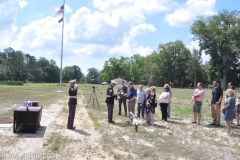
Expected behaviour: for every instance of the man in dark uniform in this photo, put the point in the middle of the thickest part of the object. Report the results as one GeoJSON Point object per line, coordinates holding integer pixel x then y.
{"type": "Point", "coordinates": [72, 102]}
{"type": "Point", "coordinates": [122, 99]}
{"type": "Point", "coordinates": [110, 101]}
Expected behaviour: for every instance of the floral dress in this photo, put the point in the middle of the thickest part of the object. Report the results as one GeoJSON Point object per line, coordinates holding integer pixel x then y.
{"type": "Point", "coordinates": [146, 98]}
{"type": "Point", "coordinates": [152, 98]}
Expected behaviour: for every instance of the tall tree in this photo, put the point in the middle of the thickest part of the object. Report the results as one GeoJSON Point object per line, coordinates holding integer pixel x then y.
{"type": "Point", "coordinates": [219, 36]}
{"type": "Point", "coordinates": [93, 75]}
{"type": "Point", "coordinates": [172, 63]}
{"type": "Point", "coordinates": [7, 53]}
{"type": "Point", "coordinates": [194, 69]}
{"type": "Point", "coordinates": [72, 72]}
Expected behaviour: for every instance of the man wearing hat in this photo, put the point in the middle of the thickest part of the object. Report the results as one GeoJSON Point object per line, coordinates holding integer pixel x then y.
{"type": "Point", "coordinates": [110, 100]}
{"type": "Point", "coordinates": [72, 102]}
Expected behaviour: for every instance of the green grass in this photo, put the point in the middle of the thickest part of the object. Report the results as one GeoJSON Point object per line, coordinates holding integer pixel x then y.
{"type": "Point", "coordinates": [14, 96]}
{"type": "Point", "coordinates": [181, 138]}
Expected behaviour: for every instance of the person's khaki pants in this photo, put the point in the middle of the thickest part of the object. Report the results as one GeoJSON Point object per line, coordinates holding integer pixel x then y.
{"type": "Point", "coordinates": [216, 115]}
{"type": "Point", "coordinates": [131, 106]}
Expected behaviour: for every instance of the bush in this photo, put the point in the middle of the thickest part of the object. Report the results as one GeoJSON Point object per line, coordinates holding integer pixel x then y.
{"type": "Point", "coordinates": [11, 83]}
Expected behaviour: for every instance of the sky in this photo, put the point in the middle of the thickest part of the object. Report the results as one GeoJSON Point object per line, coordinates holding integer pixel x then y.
{"type": "Point", "coordinates": [96, 30]}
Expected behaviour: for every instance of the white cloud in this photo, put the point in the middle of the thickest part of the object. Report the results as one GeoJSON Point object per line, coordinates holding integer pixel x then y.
{"type": "Point", "coordinates": [8, 12]}
{"type": "Point", "coordinates": [143, 51]}
{"type": "Point", "coordinates": [22, 3]}
{"type": "Point", "coordinates": [128, 47]}
{"type": "Point", "coordinates": [67, 9]}
{"type": "Point", "coordinates": [44, 33]}
{"type": "Point", "coordinates": [187, 12]}
{"type": "Point", "coordinates": [142, 6]}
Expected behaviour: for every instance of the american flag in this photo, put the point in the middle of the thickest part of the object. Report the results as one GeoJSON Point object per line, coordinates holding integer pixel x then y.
{"type": "Point", "coordinates": [60, 10]}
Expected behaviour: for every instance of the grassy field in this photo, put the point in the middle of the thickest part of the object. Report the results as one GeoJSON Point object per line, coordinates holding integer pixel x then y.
{"type": "Point", "coordinates": [14, 96]}
{"type": "Point", "coordinates": [175, 139]}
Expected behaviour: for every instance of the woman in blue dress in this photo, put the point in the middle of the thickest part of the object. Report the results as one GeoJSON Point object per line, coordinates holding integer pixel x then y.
{"type": "Point", "coordinates": [228, 109]}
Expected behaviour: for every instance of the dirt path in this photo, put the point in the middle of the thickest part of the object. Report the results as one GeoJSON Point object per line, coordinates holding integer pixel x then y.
{"type": "Point", "coordinates": [53, 140]}
{"type": "Point", "coordinates": [85, 140]}
{"type": "Point", "coordinates": [23, 145]}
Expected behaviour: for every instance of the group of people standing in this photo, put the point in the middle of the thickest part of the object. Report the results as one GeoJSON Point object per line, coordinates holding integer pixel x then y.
{"type": "Point", "coordinates": [229, 111]}
{"type": "Point", "coordinates": [146, 101]}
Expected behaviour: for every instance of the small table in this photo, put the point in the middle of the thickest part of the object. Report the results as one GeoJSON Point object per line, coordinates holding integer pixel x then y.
{"type": "Point", "coordinates": [24, 120]}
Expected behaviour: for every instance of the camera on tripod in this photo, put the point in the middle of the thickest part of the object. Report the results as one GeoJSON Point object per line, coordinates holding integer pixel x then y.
{"type": "Point", "coordinates": [93, 94]}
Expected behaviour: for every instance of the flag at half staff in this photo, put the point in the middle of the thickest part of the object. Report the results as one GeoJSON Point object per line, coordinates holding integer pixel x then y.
{"type": "Point", "coordinates": [60, 10]}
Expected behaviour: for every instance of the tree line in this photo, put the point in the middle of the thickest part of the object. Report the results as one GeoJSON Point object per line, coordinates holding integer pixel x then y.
{"type": "Point", "coordinates": [17, 66]}
{"type": "Point", "coordinates": [173, 62]}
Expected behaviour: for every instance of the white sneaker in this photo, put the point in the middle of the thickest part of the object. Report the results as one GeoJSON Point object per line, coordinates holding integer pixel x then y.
{"type": "Point", "coordinates": [226, 134]}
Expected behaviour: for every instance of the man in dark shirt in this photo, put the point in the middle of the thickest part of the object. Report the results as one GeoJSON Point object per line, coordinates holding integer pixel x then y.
{"type": "Point", "coordinates": [110, 101]}
{"type": "Point", "coordinates": [122, 99]}
{"type": "Point", "coordinates": [131, 98]}
{"type": "Point", "coordinates": [217, 95]}
{"type": "Point", "coordinates": [72, 102]}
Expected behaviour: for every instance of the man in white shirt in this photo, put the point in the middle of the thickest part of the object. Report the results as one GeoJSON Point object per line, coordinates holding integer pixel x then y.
{"type": "Point", "coordinates": [140, 99]}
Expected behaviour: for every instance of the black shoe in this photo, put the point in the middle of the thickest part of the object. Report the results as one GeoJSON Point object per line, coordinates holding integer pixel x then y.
{"type": "Point", "coordinates": [119, 113]}
{"type": "Point", "coordinates": [72, 128]}
{"type": "Point", "coordinates": [212, 124]}
{"type": "Point", "coordinates": [217, 125]}
{"type": "Point", "coordinates": [138, 116]}
{"type": "Point", "coordinates": [112, 122]}
{"type": "Point", "coordinates": [194, 122]}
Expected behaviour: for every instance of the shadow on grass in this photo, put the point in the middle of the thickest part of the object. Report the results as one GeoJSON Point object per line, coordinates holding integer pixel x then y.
{"type": "Point", "coordinates": [176, 118]}
{"type": "Point", "coordinates": [82, 132]}
{"type": "Point", "coordinates": [234, 134]}
{"type": "Point", "coordinates": [175, 122]}
{"type": "Point", "coordinates": [213, 126]}
{"type": "Point", "coordinates": [160, 126]}
{"type": "Point", "coordinates": [28, 133]}
{"type": "Point", "coordinates": [124, 125]}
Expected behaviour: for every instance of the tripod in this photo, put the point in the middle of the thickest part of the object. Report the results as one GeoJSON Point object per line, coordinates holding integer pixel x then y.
{"type": "Point", "coordinates": [93, 92]}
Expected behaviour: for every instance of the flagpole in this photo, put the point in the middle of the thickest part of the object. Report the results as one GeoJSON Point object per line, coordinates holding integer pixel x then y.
{"type": "Point", "coordinates": [62, 47]}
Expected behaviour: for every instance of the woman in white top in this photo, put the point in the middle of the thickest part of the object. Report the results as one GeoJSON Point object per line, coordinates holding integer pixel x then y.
{"type": "Point", "coordinates": [164, 99]}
